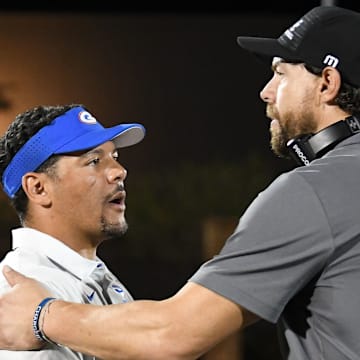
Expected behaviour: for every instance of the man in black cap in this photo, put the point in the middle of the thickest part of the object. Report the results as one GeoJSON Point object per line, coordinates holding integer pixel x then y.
{"type": "Point", "coordinates": [293, 259]}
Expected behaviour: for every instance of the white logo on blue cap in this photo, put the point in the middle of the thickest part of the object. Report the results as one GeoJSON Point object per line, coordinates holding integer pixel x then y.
{"type": "Point", "coordinates": [86, 117]}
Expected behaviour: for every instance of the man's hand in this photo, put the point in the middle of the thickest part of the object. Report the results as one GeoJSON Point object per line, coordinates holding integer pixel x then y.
{"type": "Point", "coordinates": [17, 308]}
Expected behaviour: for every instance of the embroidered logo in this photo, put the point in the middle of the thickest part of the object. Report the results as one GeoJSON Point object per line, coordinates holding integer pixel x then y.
{"type": "Point", "coordinates": [120, 292]}
{"type": "Point", "coordinates": [90, 296]}
{"type": "Point", "coordinates": [331, 60]}
{"type": "Point", "coordinates": [290, 33]}
{"type": "Point", "coordinates": [86, 117]}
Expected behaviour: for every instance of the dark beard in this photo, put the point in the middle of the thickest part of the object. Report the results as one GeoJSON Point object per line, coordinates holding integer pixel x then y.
{"type": "Point", "coordinates": [290, 128]}
{"type": "Point", "coordinates": [111, 231]}
{"type": "Point", "coordinates": [278, 144]}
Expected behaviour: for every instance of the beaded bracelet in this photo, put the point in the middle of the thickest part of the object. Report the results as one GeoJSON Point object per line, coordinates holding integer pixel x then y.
{"type": "Point", "coordinates": [36, 328]}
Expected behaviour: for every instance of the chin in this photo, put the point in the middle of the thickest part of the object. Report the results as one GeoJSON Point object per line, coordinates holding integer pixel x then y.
{"type": "Point", "coordinates": [114, 230]}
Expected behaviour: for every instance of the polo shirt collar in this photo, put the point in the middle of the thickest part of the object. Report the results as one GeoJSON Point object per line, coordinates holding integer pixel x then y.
{"type": "Point", "coordinates": [55, 250]}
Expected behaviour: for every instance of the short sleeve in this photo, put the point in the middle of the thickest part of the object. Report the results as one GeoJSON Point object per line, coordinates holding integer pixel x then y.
{"type": "Point", "coordinates": [282, 241]}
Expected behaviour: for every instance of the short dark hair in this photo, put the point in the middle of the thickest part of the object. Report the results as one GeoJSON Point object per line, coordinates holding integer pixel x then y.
{"type": "Point", "coordinates": [348, 97]}
{"type": "Point", "coordinates": [24, 126]}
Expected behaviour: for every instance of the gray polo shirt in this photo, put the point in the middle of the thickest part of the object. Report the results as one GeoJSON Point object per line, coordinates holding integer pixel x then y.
{"type": "Point", "coordinates": [67, 274]}
{"type": "Point", "coordinates": [294, 258]}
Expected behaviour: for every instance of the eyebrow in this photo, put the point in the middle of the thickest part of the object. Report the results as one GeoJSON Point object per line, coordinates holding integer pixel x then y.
{"type": "Point", "coordinates": [276, 61]}
{"type": "Point", "coordinates": [90, 152]}
{"type": "Point", "coordinates": [95, 151]}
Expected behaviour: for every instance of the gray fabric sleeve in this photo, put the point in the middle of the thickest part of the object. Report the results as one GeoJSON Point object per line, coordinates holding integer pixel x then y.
{"type": "Point", "coordinates": [281, 242]}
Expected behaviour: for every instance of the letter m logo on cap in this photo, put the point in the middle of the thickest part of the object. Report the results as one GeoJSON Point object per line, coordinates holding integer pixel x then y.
{"type": "Point", "coordinates": [331, 60]}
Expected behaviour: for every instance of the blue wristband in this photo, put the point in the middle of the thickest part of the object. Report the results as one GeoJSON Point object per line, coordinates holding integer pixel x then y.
{"type": "Point", "coordinates": [37, 331]}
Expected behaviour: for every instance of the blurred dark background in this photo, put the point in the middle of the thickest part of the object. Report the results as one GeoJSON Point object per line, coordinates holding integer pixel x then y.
{"type": "Point", "coordinates": [176, 68]}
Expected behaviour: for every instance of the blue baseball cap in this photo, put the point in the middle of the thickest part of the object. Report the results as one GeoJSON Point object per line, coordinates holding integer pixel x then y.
{"type": "Point", "coordinates": [75, 130]}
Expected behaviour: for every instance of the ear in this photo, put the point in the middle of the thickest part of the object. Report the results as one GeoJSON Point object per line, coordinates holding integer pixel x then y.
{"type": "Point", "coordinates": [331, 82]}
{"type": "Point", "coordinates": [35, 188]}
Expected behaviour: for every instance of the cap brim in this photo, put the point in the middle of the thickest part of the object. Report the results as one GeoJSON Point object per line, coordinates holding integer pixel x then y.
{"type": "Point", "coordinates": [122, 135]}
{"type": "Point", "coordinates": [265, 48]}
{"type": "Point", "coordinates": [130, 135]}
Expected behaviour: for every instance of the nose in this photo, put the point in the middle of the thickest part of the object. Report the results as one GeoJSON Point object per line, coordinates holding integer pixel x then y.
{"type": "Point", "coordinates": [117, 173]}
{"type": "Point", "coordinates": [267, 94]}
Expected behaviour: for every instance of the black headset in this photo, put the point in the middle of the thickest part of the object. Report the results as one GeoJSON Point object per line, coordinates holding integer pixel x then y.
{"type": "Point", "coordinates": [305, 148]}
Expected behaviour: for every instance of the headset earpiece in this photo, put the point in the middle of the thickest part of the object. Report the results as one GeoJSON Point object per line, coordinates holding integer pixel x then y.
{"type": "Point", "coordinates": [306, 148]}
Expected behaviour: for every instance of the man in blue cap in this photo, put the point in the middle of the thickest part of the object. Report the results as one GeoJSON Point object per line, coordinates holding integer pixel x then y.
{"type": "Point", "coordinates": [293, 259]}
{"type": "Point", "coordinates": [60, 168]}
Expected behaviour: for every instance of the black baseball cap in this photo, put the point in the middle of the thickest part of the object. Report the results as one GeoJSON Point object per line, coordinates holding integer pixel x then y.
{"type": "Point", "coordinates": [324, 36]}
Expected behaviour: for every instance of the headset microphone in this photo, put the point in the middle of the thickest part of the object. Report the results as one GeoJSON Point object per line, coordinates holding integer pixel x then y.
{"type": "Point", "coordinates": [305, 148]}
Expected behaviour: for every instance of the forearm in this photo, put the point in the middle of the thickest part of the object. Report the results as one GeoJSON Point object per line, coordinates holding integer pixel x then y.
{"type": "Point", "coordinates": [182, 327]}
{"type": "Point", "coordinates": [131, 331]}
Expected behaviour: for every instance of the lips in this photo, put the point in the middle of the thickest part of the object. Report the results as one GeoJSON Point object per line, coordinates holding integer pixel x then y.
{"type": "Point", "coordinates": [118, 198]}
{"type": "Point", "coordinates": [117, 201]}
